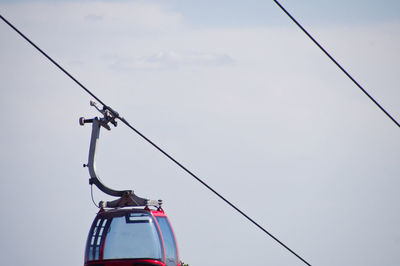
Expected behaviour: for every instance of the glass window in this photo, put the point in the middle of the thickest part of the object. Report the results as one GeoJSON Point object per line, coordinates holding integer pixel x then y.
{"type": "Point", "coordinates": [133, 236]}
{"type": "Point", "coordinates": [171, 252]}
{"type": "Point", "coordinates": [95, 239]}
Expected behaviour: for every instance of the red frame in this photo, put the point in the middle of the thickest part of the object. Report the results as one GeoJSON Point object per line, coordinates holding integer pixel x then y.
{"type": "Point", "coordinates": [134, 262]}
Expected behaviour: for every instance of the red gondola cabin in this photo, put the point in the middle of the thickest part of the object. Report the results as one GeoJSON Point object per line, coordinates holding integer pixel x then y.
{"type": "Point", "coordinates": [134, 237]}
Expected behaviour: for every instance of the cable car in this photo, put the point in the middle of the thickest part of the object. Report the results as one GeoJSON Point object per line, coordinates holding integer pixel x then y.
{"type": "Point", "coordinates": [131, 230]}
{"type": "Point", "coordinates": [134, 237]}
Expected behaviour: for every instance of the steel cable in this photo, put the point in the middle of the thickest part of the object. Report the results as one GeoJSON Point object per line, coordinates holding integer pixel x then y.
{"type": "Point", "coordinates": [337, 64]}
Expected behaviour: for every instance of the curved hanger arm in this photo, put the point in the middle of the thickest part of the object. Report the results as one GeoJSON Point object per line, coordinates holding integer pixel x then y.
{"type": "Point", "coordinates": [96, 125]}
{"type": "Point", "coordinates": [127, 197]}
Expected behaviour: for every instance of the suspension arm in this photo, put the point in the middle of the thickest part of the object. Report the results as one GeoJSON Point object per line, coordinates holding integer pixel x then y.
{"type": "Point", "coordinates": [126, 197]}
{"type": "Point", "coordinates": [94, 179]}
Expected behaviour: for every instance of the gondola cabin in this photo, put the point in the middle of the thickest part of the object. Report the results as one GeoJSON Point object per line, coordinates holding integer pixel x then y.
{"type": "Point", "coordinates": [134, 237]}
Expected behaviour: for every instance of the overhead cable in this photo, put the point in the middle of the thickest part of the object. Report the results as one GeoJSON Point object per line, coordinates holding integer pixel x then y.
{"type": "Point", "coordinates": [54, 62]}
{"type": "Point", "coordinates": [337, 64]}
{"type": "Point", "coordinates": [156, 146]}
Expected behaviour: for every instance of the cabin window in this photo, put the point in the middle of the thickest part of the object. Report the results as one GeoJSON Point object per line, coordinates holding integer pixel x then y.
{"type": "Point", "coordinates": [95, 241]}
{"type": "Point", "coordinates": [133, 236]}
{"type": "Point", "coordinates": [171, 252]}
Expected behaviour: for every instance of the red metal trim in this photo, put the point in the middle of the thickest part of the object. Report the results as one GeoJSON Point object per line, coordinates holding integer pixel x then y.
{"type": "Point", "coordinates": [125, 262]}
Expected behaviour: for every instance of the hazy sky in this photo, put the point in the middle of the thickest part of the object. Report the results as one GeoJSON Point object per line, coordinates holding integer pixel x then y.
{"type": "Point", "coordinates": [234, 91]}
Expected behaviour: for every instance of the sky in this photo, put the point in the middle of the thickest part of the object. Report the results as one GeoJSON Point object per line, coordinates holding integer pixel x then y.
{"type": "Point", "coordinates": [236, 93]}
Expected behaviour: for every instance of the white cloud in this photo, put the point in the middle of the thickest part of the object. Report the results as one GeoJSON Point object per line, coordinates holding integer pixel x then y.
{"type": "Point", "coordinates": [167, 60]}
{"type": "Point", "coordinates": [93, 17]}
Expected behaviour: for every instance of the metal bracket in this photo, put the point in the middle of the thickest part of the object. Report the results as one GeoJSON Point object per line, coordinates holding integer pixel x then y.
{"type": "Point", "coordinates": [127, 197]}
